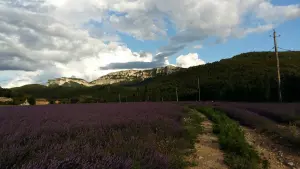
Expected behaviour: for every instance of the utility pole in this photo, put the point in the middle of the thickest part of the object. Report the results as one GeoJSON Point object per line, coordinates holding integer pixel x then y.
{"type": "Point", "coordinates": [278, 66]}
{"type": "Point", "coordinates": [119, 98]}
{"type": "Point", "coordinates": [176, 95]}
{"type": "Point", "coordinates": [199, 89]}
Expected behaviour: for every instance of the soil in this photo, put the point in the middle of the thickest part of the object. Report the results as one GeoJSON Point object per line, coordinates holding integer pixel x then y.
{"type": "Point", "coordinates": [278, 156]}
{"type": "Point", "coordinates": [208, 155]}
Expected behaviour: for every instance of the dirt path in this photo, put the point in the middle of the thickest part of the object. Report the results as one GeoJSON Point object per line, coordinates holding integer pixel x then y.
{"type": "Point", "coordinates": [208, 155]}
{"type": "Point", "coordinates": [277, 155]}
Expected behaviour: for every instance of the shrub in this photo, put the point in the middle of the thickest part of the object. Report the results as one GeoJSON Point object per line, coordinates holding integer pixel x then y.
{"type": "Point", "coordinates": [238, 153]}
{"type": "Point", "coordinates": [262, 124]}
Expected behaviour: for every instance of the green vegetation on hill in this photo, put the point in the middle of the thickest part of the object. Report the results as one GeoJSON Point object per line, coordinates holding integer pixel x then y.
{"type": "Point", "coordinates": [248, 77]}
{"type": "Point", "coordinates": [8, 93]}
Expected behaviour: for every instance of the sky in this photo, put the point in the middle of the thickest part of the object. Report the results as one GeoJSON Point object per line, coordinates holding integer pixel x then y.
{"type": "Point", "coordinates": [46, 39]}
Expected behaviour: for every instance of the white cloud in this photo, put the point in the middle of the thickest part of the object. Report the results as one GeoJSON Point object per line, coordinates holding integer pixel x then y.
{"type": "Point", "coordinates": [198, 46]}
{"type": "Point", "coordinates": [272, 13]}
{"type": "Point", "coordinates": [42, 39]}
{"type": "Point", "coordinates": [189, 60]}
{"type": "Point", "coordinates": [213, 18]}
{"type": "Point", "coordinates": [145, 19]}
{"type": "Point", "coordinates": [40, 46]}
{"type": "Point", "coordinates": [19, 78]}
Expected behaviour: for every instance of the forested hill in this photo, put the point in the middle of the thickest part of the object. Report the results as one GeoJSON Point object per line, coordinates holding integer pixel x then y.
{"type": "Point", "coordinates": [245, 77]}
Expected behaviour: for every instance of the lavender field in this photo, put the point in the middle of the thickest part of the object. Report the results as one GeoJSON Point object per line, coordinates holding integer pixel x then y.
{"type": "Point", "coordinates": [280, 122]}
{"type": "Point", "coordinates": [284, 113]}
{"type": "Point", "coordinates": [123, 136]}
{"type": "Point", "coordinates": [110, 136]}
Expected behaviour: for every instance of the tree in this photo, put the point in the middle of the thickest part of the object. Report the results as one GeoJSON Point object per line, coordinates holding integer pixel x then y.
{"type": "Point", "coordinates": [31, 100]}
{"type": "Point", "coordinates": [145, 93]}
{"type": "Point", "coordinates": [74, 100]}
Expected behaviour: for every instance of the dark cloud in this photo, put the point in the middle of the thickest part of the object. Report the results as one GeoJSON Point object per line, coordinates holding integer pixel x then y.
{"type": "Point", "coordinates": [12, 60]}
{"type": "Point", "coordinates": [132, 65]}
{"type": "Point", "coordinates": [11, 65]}
{"type": "Point", "coordinates": [188, 37]}
{"type": "Point", "coordinates": [158, 61]}
{"type": "Point", "coordinates": [172, 48]}
{"type": "Point", "coordinates": [142, 54]}
{"type": "Point", "coordinates": [162, 55]}
{"type": "Point", "coordinates": [32, 40]}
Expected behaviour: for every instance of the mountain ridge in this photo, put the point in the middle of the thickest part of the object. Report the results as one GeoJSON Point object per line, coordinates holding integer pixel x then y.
{"type": "Point", "coordinates": [115, 77]}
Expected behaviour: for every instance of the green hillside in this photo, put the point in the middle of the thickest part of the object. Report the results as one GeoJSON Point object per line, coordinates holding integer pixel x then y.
{"type": "Point", "coordinates": [245, 77]}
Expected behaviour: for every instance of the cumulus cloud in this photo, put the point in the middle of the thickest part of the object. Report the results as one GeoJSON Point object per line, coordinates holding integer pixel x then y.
{"type": "Point", "coordinates": [17, 78]}
{"type": "Point", "coordinates": [272, 13]}
{"type": "Point", "coordinates": [43, 39]}
{"type": "Point", "coordinates": [189, 60]}
{"type": "Point", "coordinates": [196, 20]}
{"type": "Point", "coordinates": [39, 47]}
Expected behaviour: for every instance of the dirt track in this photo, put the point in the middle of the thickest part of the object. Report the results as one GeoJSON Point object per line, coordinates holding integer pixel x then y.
{"type": "Point", "coordinates": [208, 155]}
{"type": "Point", "coordinates": [278, 156]}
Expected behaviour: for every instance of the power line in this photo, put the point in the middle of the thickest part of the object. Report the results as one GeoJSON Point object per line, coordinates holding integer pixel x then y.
{"type": "Point", "coordinates": [269, 52]}
{"type": "Point", "coordinates": [285, 49]}
{"type": "Point", "coordinates": [271, 49]}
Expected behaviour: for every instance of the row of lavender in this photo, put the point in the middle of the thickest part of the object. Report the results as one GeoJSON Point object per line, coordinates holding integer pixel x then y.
{"type": "Point", "coordinates": [284, 113]}
{"type": "Point", "coordinates": [281, 122]}
{"type": "Point", "coordinates": [114, 136]}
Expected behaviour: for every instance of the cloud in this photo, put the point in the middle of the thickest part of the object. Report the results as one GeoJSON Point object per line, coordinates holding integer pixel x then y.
{"type": "Point", "coordinates": [189, 60]}
{"type": "Point", "coordinates": [43, 39]}
{"type": "Point", "coordinates": [159, 60]}
{"type": "Point", "coordinates": [197, 20]}
{"type": "Point", "coordinates": [132, 65]}
{"type": "Point", "coordinates": [43, 47]}
{"type": "Point", "coordinates": [259, 29]}
{"type": "Point", "coordinates": [18, 78]}
{"type": "Point", "coordinates": [197, 46]}
{"type": "Point", "coordinates": [271, 13]}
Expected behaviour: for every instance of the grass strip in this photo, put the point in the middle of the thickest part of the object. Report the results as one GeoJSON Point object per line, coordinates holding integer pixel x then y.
{"type": "Point", "coordinates": [192, 123]}
{"type": "Point", "coordinates": [238, 153]}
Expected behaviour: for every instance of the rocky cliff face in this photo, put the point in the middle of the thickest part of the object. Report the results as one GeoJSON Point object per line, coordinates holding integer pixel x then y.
{"type": "Point", "coordinates": [64, 80]}
{"type": "Point", "coordinates": [118, 77]}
